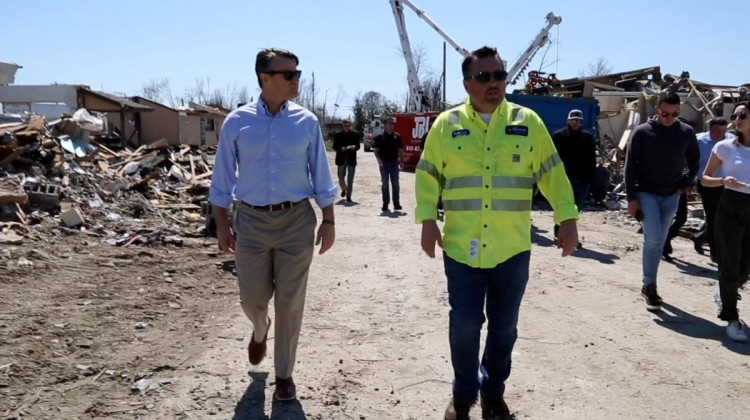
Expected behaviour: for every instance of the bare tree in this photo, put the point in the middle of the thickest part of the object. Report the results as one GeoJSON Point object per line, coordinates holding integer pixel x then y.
{"type": "Point", "coordinates": [600, 68]}
{"type": "Point", "coordinates": [243, 96]}
{"type": "Point", "coordinates": [159, 91]}
{"type": "Point", "coordinates": [430, 85]}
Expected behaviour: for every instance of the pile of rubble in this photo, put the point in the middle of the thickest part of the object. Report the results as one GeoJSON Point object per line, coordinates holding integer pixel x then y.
{"type": "Point", "coordinates": [60, 175]}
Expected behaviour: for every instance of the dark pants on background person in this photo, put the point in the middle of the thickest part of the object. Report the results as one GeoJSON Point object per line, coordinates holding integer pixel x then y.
{"type": "Point", "coordinates": [502, 287]}
{"type": "Point", "coordinates": [580, 193]}
{"type": "Point", "coordinates": [732, 225]}
{"type": "Point", "coordinates": [680, 217]}
{"type": "Point", "coordinates": [710, 198]}
{"type": "Point", "coordinates": [389, 170]}
{"type": "Point", "coordinates": [346, 179]}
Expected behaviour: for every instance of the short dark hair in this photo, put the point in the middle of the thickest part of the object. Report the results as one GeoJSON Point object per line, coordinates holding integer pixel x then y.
{"type": "Point", "coordinates": [346, 121]}
{"type": "Point", "coordinates": [265, 58]}
{"type": "Point", "coordinates": [484, 52]}
{"type": "Point", "coordinates": [718, 121]}
{"type": "Point", "coordinates": [670, 98]}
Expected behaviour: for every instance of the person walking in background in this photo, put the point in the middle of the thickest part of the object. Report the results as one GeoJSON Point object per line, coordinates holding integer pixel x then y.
{"type": "Point", "coordinates": [346, 144]}
{"type": "Point", "coordinates": [272, 159]}
{"type": "Point", "coordinates": [389, 151]}
{"type": "Point", "coordinates": [577, 150]}
{"type": "Point", "coordinates": [732, 223]}
{"type": "Point", "coordinates": [717, 131]}
{"type": "Point", "coordinates": [658, 153]}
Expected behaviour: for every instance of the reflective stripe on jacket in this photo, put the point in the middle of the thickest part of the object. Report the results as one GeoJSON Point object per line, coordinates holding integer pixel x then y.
{"type": "Point", "coordinates": [485, 175]}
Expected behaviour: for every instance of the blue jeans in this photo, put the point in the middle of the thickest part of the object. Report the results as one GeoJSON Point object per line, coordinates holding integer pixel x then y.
{"type": "Point", "coordinates": [658, 212]}
{"type": "Point", "coordinates": [390, 170]}
{"type": "Point", "coordinates": [502, 288]}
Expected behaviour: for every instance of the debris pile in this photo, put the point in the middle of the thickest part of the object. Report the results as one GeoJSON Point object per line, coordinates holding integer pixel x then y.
{"type": "Point", "coordinates": [59, 174]}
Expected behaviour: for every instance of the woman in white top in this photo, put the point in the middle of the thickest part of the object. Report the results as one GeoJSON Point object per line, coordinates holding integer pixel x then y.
{"type": "Point", "coordinates": [732, 233]}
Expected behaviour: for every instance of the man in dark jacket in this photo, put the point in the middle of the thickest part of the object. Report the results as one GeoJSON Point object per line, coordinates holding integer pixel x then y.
{"type": "Point", "coordinates": [346, 144]}
{"type": "Point", "coordinates": [389, 151]}
{"type": "Point", "coordinates": [577, 150]}
{"type": "Point", "coordinates": [658, 153]}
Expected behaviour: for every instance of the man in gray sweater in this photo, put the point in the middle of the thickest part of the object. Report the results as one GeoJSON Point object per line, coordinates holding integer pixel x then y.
{"type": "Point", "coordinates": [655, 176]}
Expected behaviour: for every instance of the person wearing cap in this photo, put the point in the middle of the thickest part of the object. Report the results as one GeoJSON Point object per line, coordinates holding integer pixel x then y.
{"type": "Point", "coordinates": [272, 160]}
{"type": "Point", "coordinates": [483, 157]}
{"type": "Point", "coordinates": [659, 151]}
{"type": "Point", "coordinates": [577, 150]}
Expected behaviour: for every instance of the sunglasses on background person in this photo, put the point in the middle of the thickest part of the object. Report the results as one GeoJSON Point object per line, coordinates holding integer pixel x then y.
{"type": "Point", "coordinates": [741, 115]}
{"type": "Point", "coordinates": [576, 120]}
{"type": "Point", "coordinates": [288, 74]}
{"type": "Point", "coordinates": [670, 114]}
{"type": "Point", "coordinates": [484, 76]}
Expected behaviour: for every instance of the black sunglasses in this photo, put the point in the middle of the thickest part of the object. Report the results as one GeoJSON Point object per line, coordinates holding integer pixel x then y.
{"type": "Point", "coordinates": [288, 74]}
{"type": "Point", "coordinates": [670, 114]}
{"type": "Point", "coordinates": [741, 115]}
{"type": "Point", "coordinates": [484, 77]}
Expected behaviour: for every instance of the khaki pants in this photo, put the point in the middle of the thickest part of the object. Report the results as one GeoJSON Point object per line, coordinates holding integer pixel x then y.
{"type": "Point", "coordinates": [273, 256]}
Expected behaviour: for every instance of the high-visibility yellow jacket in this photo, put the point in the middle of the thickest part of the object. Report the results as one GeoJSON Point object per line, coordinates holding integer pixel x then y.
{"type": "Point", "coordinates": [485, 175]}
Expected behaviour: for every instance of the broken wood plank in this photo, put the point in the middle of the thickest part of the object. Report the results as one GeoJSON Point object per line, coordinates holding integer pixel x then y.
{"type": "Point", "coordinates": [106, 149]}
{"type": "Point", "coordinates": [192, 166]}
{"type": "Point", "coordinates": [20, 214]}
{"type": "Point", "coordinates": [203, 176]}
{"type": "Point", "coordinates": [179, 206]}
{"type": "Point", "coordinates": [158, 144]}
{"type": "Point", "coordinates": [104, 166]}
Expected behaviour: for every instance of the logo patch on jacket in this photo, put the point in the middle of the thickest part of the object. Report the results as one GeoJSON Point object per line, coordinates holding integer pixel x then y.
{"type": "Point", "coordinates": [459, 133]}
{"type": "Point", "coordinates": [516, 158]}
{"type": "Point", "coordinates": [517, 130]}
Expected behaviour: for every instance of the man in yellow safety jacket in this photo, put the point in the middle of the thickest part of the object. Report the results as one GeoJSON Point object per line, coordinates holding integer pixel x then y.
{"type": "Point", "coordinates": [483, 157]}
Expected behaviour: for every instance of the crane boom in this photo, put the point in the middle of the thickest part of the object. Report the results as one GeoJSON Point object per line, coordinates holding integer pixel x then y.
{"type": "Point", "coordinates": [413, 78]}
{"type": "Point", "coordinates": [518, 67]}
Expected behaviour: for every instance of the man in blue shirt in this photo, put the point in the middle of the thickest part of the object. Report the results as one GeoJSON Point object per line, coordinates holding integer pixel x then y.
{"type": "Point", "coordinates": [272, 159]}
{"type": "Point", "coordinates": [717, 131]}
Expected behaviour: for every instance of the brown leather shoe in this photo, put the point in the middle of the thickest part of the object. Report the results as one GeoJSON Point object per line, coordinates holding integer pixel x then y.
{"type": "Point", "coordinates": [285, 389]}
{"type": "Point", "coordinates": [256, 352]}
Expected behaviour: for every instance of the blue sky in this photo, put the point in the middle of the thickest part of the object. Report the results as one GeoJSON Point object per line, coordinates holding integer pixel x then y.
{"type": "Point", "coordinates": [117, 46]}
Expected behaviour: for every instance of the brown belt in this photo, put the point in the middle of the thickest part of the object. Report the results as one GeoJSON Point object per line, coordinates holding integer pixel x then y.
{"type": "Point", "coordinates": [275, 207]}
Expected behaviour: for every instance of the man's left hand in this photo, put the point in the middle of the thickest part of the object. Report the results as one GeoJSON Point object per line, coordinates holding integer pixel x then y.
{"type": "Point", "coordinates": [325, 238]}
{"type": "Point", "coordinates": [567, 237]}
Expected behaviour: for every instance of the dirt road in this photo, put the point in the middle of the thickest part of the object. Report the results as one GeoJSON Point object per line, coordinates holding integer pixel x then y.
{"type": "Point", "coordinates": [374, 341]}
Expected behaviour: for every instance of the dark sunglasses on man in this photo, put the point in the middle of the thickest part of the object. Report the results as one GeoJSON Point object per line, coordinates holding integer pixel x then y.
{"type": "Point", "coordinates": [670, 114]}
{"type": "Point", "coordinates": [741, 115]}
{"type": "Point", "coordinates": [576, 121]}
{"type": "Point", "coordinates": [485, 76]}
{"type": "Point", "coordinates": [288, 74]}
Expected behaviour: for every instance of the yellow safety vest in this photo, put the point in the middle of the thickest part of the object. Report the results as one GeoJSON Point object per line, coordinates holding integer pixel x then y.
{"type": "Point", "coordinates": [485, 175]}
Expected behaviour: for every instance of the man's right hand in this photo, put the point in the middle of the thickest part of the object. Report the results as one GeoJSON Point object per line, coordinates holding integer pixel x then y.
{"type": "Point", "coordinates": [226, 239]}
{"type": "Point", "coordinates": [430, 235]}
{"type": "Point", "coordinates": [633, 207]}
